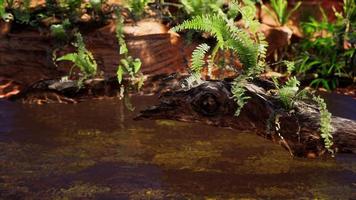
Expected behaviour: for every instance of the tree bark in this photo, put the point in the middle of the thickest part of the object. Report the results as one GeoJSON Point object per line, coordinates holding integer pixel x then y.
{"type": "Point", "coordinates": [297, 130]}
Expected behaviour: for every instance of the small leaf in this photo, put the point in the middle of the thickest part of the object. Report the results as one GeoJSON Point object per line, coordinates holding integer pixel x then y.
{"type": "Point", "coordinates": [69, 57]}
{"type": "Point", "coordinates": [141, 82]}
{"type": "Point", "coordinates": [137, 65]}
{"type": "Point", "coordinates": [119, 74]}
{"type": "Point", "coordinates": [123, 49]}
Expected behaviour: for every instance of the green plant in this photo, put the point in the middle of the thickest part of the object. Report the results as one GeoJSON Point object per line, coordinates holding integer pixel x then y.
{"type": "Point", "coordinates": [198, 56]}
{"type": "Point", "coordinates": [250, 51]}
{"type": "Point", "coordinates": [59, 31]}
{"type": "Point", "coordinates": [238, 92]}
{"type": "Point", "coordinates": [21, 13]}
{"type": "Point", "coordinates": [137, 7]}
{"type": "Point", "coordinates": [82, 59]}
{"type": "Point", "coordinates": [7, 17]}
{"type": "Point", "coordinates": [128, 65]}
{"type": "Point", "coordinates": [281, 12]}
{"type": "Point", "coordinates": [289, 93]}
{"type": "Point", "coordinates": [323, 53]}
{"type": "Point", "coordinates": [200, 7]}
{"type": "Point", "coordinates": [325, 124]}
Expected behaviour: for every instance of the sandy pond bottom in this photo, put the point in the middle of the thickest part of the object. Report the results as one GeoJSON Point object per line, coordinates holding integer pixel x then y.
{"type": "Point", "coordinates": [94, 150]}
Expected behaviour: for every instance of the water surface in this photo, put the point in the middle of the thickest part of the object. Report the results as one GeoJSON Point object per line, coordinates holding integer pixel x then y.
{"type": "Point", "coordinates": [94, 150]}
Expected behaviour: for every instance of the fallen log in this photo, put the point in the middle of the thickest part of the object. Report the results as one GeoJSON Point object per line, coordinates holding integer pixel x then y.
{"type": "Point", "coordinates": [298, 131]}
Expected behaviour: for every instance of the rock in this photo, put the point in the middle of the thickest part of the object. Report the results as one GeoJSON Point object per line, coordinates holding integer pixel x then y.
{"type": "Point", "coordinates": [278, 38]}
{"type": "Point", "coordinates": [26, 55]}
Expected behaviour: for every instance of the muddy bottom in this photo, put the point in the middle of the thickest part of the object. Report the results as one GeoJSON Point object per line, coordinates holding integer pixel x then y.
{"type": "Point", "coordinates": [94, 150]}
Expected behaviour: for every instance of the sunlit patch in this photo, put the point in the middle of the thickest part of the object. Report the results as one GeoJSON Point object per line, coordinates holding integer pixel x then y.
{"type": "Point", "coordinates": [8, 88]}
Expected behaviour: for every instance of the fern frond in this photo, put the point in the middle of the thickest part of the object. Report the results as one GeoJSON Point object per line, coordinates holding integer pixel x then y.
{"type": "Point", "coordinates": [262, 53]}
{"type": "Point", "coordinates": [240, 42]}
{"type": "Point", "coordinates": [227, 35]}
{"type": "Point", "coordinates": [234, 9]}
{"type": "Point", "coordinates": [238, 93]}
{"type": "Point", "coordinates": [325, 124]}
{"type": "Point", "coordinates": [292, 83]}
{"type": "Point", "coordinates": [288, 92]}
{"type": "Point", "coordinates": [198, 57]}
{"type": "Point", "coordinates": [213, 24]}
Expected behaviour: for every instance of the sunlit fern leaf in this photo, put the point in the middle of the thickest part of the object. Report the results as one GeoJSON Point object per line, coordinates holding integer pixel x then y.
{"type": "Point", "coordinates": [198, 57]}
{"type": "Point", "coordinates": [246, 49]}
{"type": "Point", "coordinates": [211, 23]}
{"type": "Point", "coordinates": [227, 35]}
{"type": "Point", "coordinates": [325, 124]}
{"type": "Point", "coordinates": [233, 11]}
{"type": "Point", "coordinates": [238, 91]}
{"type": "Point", "coordinates": [262, 53]}
{"type": "Point", "coordinates": [248, 12]}
{"type": "Point", "coordinates": [288, 92]}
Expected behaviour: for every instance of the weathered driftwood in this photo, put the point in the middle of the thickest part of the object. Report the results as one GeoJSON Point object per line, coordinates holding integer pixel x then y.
{"type": "Point", "coordinates": [212, 103]}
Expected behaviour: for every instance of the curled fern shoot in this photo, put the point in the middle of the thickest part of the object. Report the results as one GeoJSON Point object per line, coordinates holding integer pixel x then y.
{"type": "Point", "coordinates": [198, 58]}
{"type": "Point", "coordinates": [325, 124]}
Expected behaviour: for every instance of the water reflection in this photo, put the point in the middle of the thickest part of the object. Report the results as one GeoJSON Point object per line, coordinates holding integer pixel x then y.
{"type": "Point", "coordinates": [94, 150]}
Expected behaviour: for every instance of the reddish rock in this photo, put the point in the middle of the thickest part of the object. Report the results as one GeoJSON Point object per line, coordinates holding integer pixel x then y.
{"type": "Point", "coordinates": [26, 56]}
{"type": "Point", "coordinates": [278, 39]}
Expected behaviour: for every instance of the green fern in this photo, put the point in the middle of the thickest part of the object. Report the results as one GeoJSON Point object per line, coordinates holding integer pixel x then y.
{"type": "Point", "coordinates": [262, 53]}
{"type": "Point", "coordinates": [325, 124]}
{"type": "Point", "coordinates": [238, 92]}
{"type": "Point", "coordinates": [227, 35]}
{"type": "Point", "coordinates": [250, 48]}
{"type": "Point", "coordinates": [289, 93]}
{"type": "Point", "coordinates": [198, 56]}
{"type": "Point", "coordinates": [211, 23]}
{"type": "Point", "coordinates": [247, 50]}
{"type": "Point", "coordinates": [83, 58]}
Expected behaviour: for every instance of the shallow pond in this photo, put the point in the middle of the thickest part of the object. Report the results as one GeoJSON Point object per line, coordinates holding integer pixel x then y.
{"type": "Point", "coordinates": [94, 150]}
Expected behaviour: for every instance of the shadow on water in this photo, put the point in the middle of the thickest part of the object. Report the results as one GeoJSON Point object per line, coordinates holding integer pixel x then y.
{"type": "Point", "coordinates": [94, 150]}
